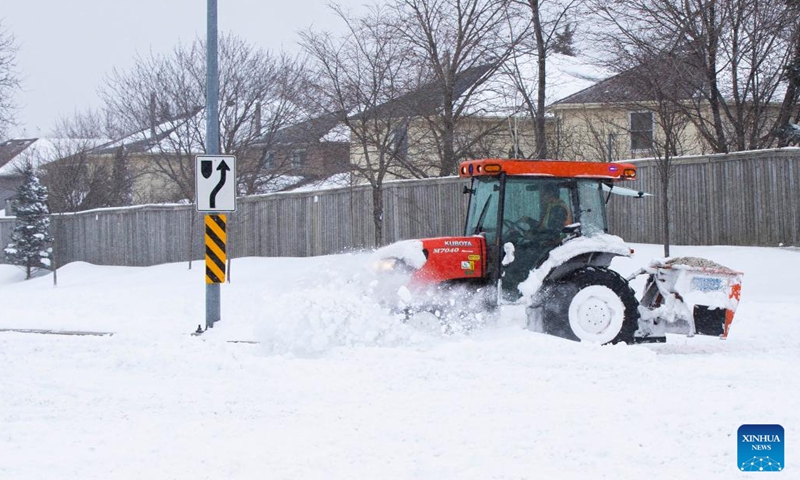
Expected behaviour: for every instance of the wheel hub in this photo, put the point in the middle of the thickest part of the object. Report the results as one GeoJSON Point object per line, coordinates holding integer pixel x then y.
{"type": "Point", "coordinates": [596, 314]}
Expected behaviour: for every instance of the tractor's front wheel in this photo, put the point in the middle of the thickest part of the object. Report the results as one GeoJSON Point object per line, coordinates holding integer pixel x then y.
{"type": "Point", "coordinates": [593, 304]}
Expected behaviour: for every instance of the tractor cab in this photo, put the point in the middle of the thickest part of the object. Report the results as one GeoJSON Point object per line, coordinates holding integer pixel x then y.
{"type": "Point", "coordinates": [524, 209]}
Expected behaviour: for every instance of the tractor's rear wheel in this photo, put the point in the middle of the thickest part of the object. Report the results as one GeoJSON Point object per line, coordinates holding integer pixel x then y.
{"type": "Point", "coordinates": [593, 304]}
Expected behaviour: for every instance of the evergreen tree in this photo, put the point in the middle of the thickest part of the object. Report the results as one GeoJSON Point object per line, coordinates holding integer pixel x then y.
{"type": "Point", "coordinates": [28, 248]}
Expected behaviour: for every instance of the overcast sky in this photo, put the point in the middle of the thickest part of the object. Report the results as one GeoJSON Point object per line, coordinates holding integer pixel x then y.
{"type": "Point", "coordinates": [66, 47]}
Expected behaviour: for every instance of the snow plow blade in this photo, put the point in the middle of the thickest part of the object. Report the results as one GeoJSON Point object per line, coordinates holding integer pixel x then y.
{"type": "Point", "coordinates": [649, 339]}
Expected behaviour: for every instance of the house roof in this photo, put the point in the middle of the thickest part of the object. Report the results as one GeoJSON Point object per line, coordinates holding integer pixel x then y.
{"type": "Point", "coordinates": [317, 129]}
{"type": "Point", "coordinates": [499, 95]}
{"type": "Point", "coordinates": [152, 139]}
{"type": "Point", "coordinates": [673, 75]}
{"type": "Point", "coordinates": [10, 149]}
{"type": "Point", "coordinates": [427, 99]}
{"type": "Point", "coordinates": [14, 154]}
{"type": "Point", "coordinates": [616, 89]}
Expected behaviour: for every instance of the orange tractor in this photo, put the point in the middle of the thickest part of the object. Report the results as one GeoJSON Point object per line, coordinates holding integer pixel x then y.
{"type": "Point", "coordinates": [536, 234]}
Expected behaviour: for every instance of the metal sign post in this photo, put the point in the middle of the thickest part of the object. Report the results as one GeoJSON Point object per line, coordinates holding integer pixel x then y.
{"type": "Point", "coordinates": [215, 188]}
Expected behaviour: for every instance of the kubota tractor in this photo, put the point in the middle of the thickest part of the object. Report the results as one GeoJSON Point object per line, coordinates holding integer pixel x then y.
{"type": "Point", "coordinates": [536, 234]}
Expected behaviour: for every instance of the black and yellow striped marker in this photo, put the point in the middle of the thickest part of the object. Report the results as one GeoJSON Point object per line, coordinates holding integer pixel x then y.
{"type": "Point", "coordinates": [215, 248]}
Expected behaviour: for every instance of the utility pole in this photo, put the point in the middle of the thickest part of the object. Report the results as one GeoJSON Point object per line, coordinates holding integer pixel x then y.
{"type": "Point", "coordinates": [212, 137]}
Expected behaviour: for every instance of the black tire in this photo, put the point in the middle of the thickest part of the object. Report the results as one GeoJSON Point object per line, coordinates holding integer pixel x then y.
{"type": "Point", "coordinates": [589, 299]}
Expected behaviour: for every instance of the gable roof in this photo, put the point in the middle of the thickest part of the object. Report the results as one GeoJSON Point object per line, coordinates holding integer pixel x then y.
{"type": "Point", "coordinates": [616, 89]}
{"type": "Point", "coordinates": [151, 139]}
{"type": "Point", "coordinates": [428, 99]}
{"type": "Point", "coordinates": [316, 129]}
{"type": "Point", "coordinates": [669, 72]}
{"type": "Point", "coordinates": [10, 149]}
{"type": "Point", "coordinates": [14, 154]}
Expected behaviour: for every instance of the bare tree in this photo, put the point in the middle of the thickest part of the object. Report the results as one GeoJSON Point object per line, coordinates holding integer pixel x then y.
{"type": "Point", "coordinates": [9, 79]}
{"type": "Point", "coordinates": [162, 98]}
{"type": "Point", "coordinates": [786, 125]}
{"type": "Point", "coordinates": [366, 78]}
{"type": "Point", "coordinates": [552, 28]}
{"type": "Point", "coordinates": [77, 179]}
{"type": "Point", "coordinates": [658, 81]}
{"type": "Point", "coordinates": [739, 49]}
{"type": "Point", "coordinates": [462, 43]}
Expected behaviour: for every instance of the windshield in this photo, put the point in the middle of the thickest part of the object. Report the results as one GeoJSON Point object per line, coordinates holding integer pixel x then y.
{"type": "Point", "coordinates": [536, 204]}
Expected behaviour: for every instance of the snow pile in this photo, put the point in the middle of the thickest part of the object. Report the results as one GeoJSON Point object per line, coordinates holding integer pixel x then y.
{"type": "Point", "coordinates": [692, 262]}
{"type": "Point", "coordinates": [409, 251]}
{"type": "Point", "coordinates": [308, 322]}
{"type": "Point", "coordinates": [339, 305]}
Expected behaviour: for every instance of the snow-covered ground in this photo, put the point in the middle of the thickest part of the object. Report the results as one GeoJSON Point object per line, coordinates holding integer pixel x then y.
{"type": "Point", "coordinates": [336, 387]}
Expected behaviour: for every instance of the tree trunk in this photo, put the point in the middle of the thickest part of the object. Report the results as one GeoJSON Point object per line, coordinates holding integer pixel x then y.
{"type": "Point", "coordinates": [665, 213]}
{"type": "Point", "coordinates": [791, 96]}
{"type": "Point", "coordinates": [377, 214]}
{"type": "Point", "coordinates": [720, 143]}
{"type": "Point", "coordinates": [541, 140]}
{"type": "Point", "coordinates": [448, 164]}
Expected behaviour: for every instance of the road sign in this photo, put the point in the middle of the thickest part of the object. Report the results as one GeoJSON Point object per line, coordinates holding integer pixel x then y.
{"type": "Point", "coordinates": [216, 183]}
{"type": "Point", "coordinates": [216, 256]}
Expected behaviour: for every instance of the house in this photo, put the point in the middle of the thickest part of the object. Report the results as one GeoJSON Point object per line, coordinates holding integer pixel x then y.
{"type": "Point", "coordinates": [306, 152]}
{"type": "Point", "coordinates": [615, 119]}
{"type": "Point", "coordinates": [403, 131]}
{"type": "Point", "coordinates": [157, 162]}
{"type": "Point", "coordinates": [493, 123]}
{"type": "Point", "coordinates": [661, 105]}
{"type": "Point", "coordinates": [15, 154]}
{"type": "Point", "coordinates": [160, 160]}
{"type": "Point", "coordinates": [12, 157]}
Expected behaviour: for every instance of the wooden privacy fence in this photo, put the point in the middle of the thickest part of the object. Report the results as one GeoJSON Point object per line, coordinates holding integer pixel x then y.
{"type": "Point", "coordinates": [736, 199]}
{"type": "Point", "coordinates": [747, 198]}
{"type": "Point", "coordinates": [284, 224]}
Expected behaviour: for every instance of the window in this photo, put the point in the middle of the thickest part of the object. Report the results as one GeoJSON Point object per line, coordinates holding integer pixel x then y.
{"type": "Point", "coordinates": [482, 216]}
{"type": "Point", "coordinates": [641, 130]}
{"type": "Point", "coordinates": [399, 142]}
{"type": "Point", "coordinates": [298, 158]}
{"type": "Point", "coordinates": [592, 202]}
{"type": "Point", "coordinates": [269, 159]}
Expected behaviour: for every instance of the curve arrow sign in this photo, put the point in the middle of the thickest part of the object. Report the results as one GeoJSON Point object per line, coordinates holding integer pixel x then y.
{"type": "Point", "coordinates": [223, 169]}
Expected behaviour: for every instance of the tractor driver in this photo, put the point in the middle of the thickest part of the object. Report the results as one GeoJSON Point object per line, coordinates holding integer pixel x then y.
{"type": "Point", "coordinates": [555, 214]}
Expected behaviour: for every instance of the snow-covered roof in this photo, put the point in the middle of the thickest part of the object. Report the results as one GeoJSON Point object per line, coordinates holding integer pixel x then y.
{"type": "Point", "coordinates": [683, 74]}
{"type": "Point", "coordinates": [565, 75]}
{"type": "Point", "coordinates": [339, 133]}
{"type": "Point", "coordinates": [163, 137]}
{"type": "Point", "coordinates": [322, 128]}
{"type": "Point", "coordinates": [500, 94]}
{"type": "Point", "coordinates": [15, 154]}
